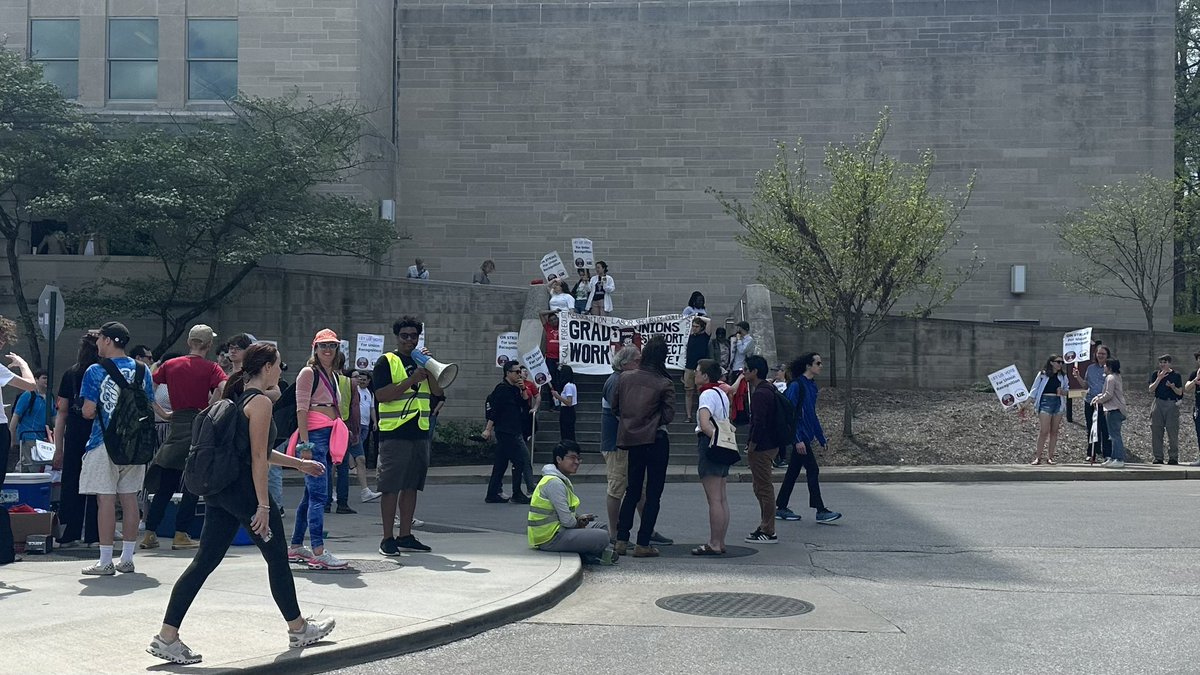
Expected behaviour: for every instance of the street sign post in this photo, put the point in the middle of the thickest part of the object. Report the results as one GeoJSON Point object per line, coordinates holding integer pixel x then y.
{"type": "Point", "coordinates": [52, 314]}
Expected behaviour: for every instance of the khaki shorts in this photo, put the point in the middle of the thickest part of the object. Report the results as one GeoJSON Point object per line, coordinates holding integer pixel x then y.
{"type": "Point", "coordinates": [100, 476]}
{"type": "Point", "coordinates": [616, 464]}
{"type": "Point", "coordinates": [689, 379]}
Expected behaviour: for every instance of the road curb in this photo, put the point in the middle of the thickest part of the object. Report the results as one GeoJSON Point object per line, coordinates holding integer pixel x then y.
{"type": "Point", "coordinates": [433, 633]}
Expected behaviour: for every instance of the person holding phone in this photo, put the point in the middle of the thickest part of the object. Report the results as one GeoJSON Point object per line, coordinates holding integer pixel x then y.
{"type": "Point", "coordinates": [602, 287]}
{"type": "Point", "coordinates": [741, 345]}
{"type": "Point", "coordinates": [245, 503]}
{"type": "Point", "coordinates": [554, 523]}
{"type": "Point", "coordinates": [1167, 387]}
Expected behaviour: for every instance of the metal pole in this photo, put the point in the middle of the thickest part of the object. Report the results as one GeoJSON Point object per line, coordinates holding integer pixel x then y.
{"type": "Point", "coordinates": [50, 356]}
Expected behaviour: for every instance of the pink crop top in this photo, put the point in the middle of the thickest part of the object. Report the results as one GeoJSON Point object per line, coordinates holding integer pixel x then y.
{"type": "Point", "coordinates": [304, 385]}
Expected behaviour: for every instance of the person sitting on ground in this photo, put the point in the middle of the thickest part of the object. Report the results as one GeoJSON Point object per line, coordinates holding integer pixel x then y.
{"type": "Point", "coordinates": [418, 271]}
{"type": "Point", "coordinates": [554, 524]}
{"type": "Point", "coordinates": [481, 277]}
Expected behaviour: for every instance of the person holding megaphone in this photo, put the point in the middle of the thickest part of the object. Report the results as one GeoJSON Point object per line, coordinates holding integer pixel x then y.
{"type": "Point", "coordinates": [404, 389]}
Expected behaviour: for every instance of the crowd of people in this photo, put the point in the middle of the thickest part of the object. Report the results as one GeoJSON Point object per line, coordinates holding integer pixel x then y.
{"type": "Point", "coordinates": [1105, 408]}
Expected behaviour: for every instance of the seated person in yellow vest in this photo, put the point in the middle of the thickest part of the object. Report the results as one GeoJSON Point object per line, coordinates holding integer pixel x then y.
{"type": "Point", "coordinates": [553, 521]}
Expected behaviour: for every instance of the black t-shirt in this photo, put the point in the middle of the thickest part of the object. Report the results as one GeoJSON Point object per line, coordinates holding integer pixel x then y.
{"type": "Point", "coordinates": [382, 377]}
{"type": "Point", "coordinates": [78, 427]}
{"type": "Point", "coordinates": [242, 432]}
{"type": "Point", "coordinates": [1162, 390]}
{"type": "Point", "coordinates": [1190, 378]}
{"type": "Point", "coordinates": [697, 348]}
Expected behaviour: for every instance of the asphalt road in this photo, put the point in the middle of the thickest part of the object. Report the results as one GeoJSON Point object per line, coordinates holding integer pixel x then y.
{"type": "Point", "coordinates": [917, 578]}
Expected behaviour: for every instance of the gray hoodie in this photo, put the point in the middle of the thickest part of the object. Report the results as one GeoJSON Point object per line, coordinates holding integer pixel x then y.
{"type": "Point", "coordinates": [555, 492]}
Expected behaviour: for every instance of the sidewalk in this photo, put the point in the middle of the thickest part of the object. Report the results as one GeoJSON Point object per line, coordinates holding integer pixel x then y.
{"type": "Point", "coordinates": [59, 621]}
{"type": "Point", "coordinates": [592, 471]}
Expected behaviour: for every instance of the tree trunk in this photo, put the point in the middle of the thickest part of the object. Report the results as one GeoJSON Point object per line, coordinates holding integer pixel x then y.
{"type": "Point", "coordinates": [175, 327]}
{"type": "Point", "coordinates": [1151, 354]}
{"type": "Point", "coordinates": [848, 393]}
{"type": "Point", "coordinates": [31, 328]}
{"type": "Point", "coordinates": [831, 357]}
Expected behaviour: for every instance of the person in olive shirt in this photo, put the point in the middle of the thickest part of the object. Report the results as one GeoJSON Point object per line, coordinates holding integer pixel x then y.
{"type": "Point", "coordinates": [1167, 387]}
{"type": "Point", "coordinates": [506, 409]}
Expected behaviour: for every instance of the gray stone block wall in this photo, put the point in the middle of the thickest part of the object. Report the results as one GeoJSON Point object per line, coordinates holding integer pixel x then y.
{"type": "Point", "coordinates": [525, 124]}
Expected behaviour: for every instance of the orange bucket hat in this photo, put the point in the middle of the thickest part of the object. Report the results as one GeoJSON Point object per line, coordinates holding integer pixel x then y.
{"type": "Point", "coordinates": [325, 335]}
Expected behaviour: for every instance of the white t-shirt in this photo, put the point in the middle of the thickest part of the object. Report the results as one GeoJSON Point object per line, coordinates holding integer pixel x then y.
{"type": "Point", "coordinates": [366, 403]}
{"type": "Point", "coordinates": [717, 403]}
{"type": "Point", "coordinates": [569, 391]}
{"type": "Point", "coordinates": [562, 301]}
{"type": "Point", "coordinates": [6, 376]}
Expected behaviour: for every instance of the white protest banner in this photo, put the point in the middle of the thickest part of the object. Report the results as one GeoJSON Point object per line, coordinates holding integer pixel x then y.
{"type": "Point", "coordinates": [581, 251]}
{"type": "Point", "coordinates": [1077, 345]}
{"type": "Point", "coordinates": [587, 343]}
{"type": "Point", "coordinates": [1009, 387]}
{"type": "Point", "coordinates": [344, 346]}
{"type": "Point", "coordinates": [536, 363]}
{"type": "Point", "coordinates": [368, 350]}
{"type": "Point", "coordinates": [506, 348]}
{"type": "Point", "coordinates": [552, 267]}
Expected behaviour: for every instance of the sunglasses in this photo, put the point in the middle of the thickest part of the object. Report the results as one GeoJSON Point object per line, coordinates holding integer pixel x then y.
{"type": "Point", "coordinates": [327, 345]}
{"type": "Point", "coordinates": [409, 336]}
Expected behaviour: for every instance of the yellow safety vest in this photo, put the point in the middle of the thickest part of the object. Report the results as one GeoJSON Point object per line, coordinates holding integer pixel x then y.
{"type": "Point", "coordinates": [344, 396]}
{"type": "Point", "coordinates": [392, 414]}
{"type": "Point", "coordinates": [543, 519]}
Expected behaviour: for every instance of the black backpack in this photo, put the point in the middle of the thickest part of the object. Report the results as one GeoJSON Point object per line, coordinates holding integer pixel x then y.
{"type": "Point", "coordinates": [784, 426]}
{"type": "Point", "coordinates": [215, 459]}
{"type": "Point", "coordinates": [129, 437]}
{"type": "Point", "coordinates": [284, 412]}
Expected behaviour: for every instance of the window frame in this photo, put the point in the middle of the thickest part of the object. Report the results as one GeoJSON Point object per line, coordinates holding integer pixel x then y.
{"type": "Point", "coordinates": [208, 59]}
{"type": "Point", "coordinates": [34, 58]}
{"type": "Point", "coordinates": [110, 59]}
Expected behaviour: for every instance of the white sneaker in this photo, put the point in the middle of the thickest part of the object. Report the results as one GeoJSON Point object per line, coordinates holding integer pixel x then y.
{"type": "Point", "coordinates": [175, 652]}
{"type": "Point", "coordinates": [369, 495]}
{"type": "Point", "coordinates": [124, 567]}
{"type": "Point", "coordinates": [300, 554]}
{"type": "Point", "coordinates": [1106, 462]}
{"type": "Point", "coordinates": [327, 561]}
{"type": "Point", "coordinates": [1116, 464]}
{"type": "Point", "coordinates": [98, 570]}
{"type": "Point", "coordinates": [416, 522]}
{"type": "Point", "coordinates": [314, 631]}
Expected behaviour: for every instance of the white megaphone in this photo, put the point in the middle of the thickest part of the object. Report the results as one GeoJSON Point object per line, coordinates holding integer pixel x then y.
{"type": "Point", "coordinates": [444, 373]}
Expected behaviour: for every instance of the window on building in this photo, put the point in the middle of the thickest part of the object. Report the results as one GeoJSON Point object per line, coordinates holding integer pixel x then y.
{"type": "Point", "coordinates": [133, 59]}
{"type": "Point", "coordinates": [54, 44]}
{"type": "Point", "coordinates": [212, 59]}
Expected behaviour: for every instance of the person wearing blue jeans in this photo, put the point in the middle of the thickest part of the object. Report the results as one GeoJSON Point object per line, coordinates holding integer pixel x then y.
{"type": "Point", "coordinates": [1115, 419]}
{"type": "Point", "coordinates": [1113, 400]}
{"type": "Point", "coordinates": [310, 514]}
{"type": "Point", "coordinates": [355, 454]}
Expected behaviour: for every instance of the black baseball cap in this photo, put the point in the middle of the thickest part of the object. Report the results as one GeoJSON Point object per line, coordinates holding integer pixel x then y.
{"type": "Point", "coordinates": [117, 332]}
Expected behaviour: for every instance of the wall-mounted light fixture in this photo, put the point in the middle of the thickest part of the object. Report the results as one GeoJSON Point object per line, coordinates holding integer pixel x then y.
{"type": "Point", "coordinates": [1016, 280]}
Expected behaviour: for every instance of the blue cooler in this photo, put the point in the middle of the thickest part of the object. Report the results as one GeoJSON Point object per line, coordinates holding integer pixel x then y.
{"type": "Point", "coordinates": [242, 538]}
{"type": "Point", "coordinates": [32, 489]}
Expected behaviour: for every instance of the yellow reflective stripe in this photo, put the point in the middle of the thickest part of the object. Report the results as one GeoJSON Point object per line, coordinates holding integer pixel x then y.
{"type": "Point", "coordinates": [547, 512]}
{"type": "Point", "coordinates": [542, 521]}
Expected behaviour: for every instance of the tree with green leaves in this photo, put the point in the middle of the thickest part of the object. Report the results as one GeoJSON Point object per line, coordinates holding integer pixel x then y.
{"type": "Point", "coordinates": [209, 201]}
{"type": "Point", "coordinates": [1187, 146]}
{"type": "Point", "coordinates": [1121, 245]}
{"type": "Point", "coordinates": [849, 248]}
{"type": "Point", "coordinates": [39, 132]}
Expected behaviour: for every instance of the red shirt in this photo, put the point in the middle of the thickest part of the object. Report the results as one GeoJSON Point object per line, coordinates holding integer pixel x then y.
{"type": "Point", "coordinates": [551, 341]}
{"type": "Point", "coordinates": [532, 389]}
{"type": "Point", "coordinates": [190, 380]}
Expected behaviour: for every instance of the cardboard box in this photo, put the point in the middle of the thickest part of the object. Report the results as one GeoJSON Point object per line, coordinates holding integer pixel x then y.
{"type": "Point", "coordinates": [25, 524]}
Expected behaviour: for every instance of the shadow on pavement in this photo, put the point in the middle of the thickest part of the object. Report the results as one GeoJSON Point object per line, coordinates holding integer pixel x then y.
{"type": "Point", "coordinates": [121, 584]}
{"type": "Point", "coordinates": [437, 563]}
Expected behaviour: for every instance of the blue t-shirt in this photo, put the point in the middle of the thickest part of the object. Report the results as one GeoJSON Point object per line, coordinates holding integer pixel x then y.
{"type": "Point", "coordinates": [100, 389]}
{"type": "Point", "coordinates": [32, 409]}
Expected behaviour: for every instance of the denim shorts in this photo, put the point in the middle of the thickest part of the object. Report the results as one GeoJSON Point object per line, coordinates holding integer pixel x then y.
{"type": "Point", "coordinates": [1051, 405]}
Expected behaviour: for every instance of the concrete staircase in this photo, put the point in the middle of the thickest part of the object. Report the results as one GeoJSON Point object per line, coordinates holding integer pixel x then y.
{"type": "Point", "coordinates": [587, 423]}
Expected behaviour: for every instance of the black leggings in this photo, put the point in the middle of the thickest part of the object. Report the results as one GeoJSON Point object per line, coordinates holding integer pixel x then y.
{"type": "Point", "coordinates": [808, 462]}
{"type": "Point", "coordinates": [76, 512]}
{"type": "Point", "coordinates": [566, 422]}
{"type": "Point", "coordinates": [223, 514]}
{"type": "Point", "coordinates": [170, 480]}
{"type": "Point", "coordinates": [648, 465]}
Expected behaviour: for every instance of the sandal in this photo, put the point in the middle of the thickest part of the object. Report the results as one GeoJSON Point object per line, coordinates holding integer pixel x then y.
{"type": "Point", "coordinates": [705, 549]}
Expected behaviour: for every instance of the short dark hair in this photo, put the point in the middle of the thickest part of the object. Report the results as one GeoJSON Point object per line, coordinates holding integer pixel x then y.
{"type": "Point", "coordinates": [801, 364]}
{"type": "Point", "coordinates": [564, 447]}
{"type": "Point", "coordinates": [744, 325]}
{"type": "Point", "coordinates": [406, 321]}
{"type": "Point", "coordinates": [39, 373]}
{"type": "Point", "coordinates": [566, 375]}
{"type": "Point", "coordinates": [241, 341]}
{"type": "Point", "coordinates": [710, 368]}
{"type": "Point", "coordinates": [1114, 365]}
{"type": "Point", "coordinates": [141, 350]}
{"type": "Point", "coordinates": [1196, 355]}
{"type": "Point", "coordinates": [1165, 357]}
{"type": "Point", "coordinates": [759, 365]}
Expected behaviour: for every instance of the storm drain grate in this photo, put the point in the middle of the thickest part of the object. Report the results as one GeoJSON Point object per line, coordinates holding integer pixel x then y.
{"type": "Point", "coordinates": [735, 605]}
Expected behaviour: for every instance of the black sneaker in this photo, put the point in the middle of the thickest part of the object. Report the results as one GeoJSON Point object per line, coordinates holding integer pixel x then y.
{"type": "Point", "coordinates": [388, 547]}
{"type": "Point", "coordinates": [411, 543]}
{"type": "Point", "coordinates": [1173, 462]}
{"type": "Point", "coordinates": [760, 537]}
{"type": "Point", "coordinates": [520, 498]}
{"type": "Point", "coordinates": [656, 538]}
{"type": "Point", "coordinates": [343, 508]}
{"type": "Point", "coordinates": [495, 499]}
{"type": "Point", "coordinates": [1157, 461]}
{"type": "Point", "coordinates": [328, 508]}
